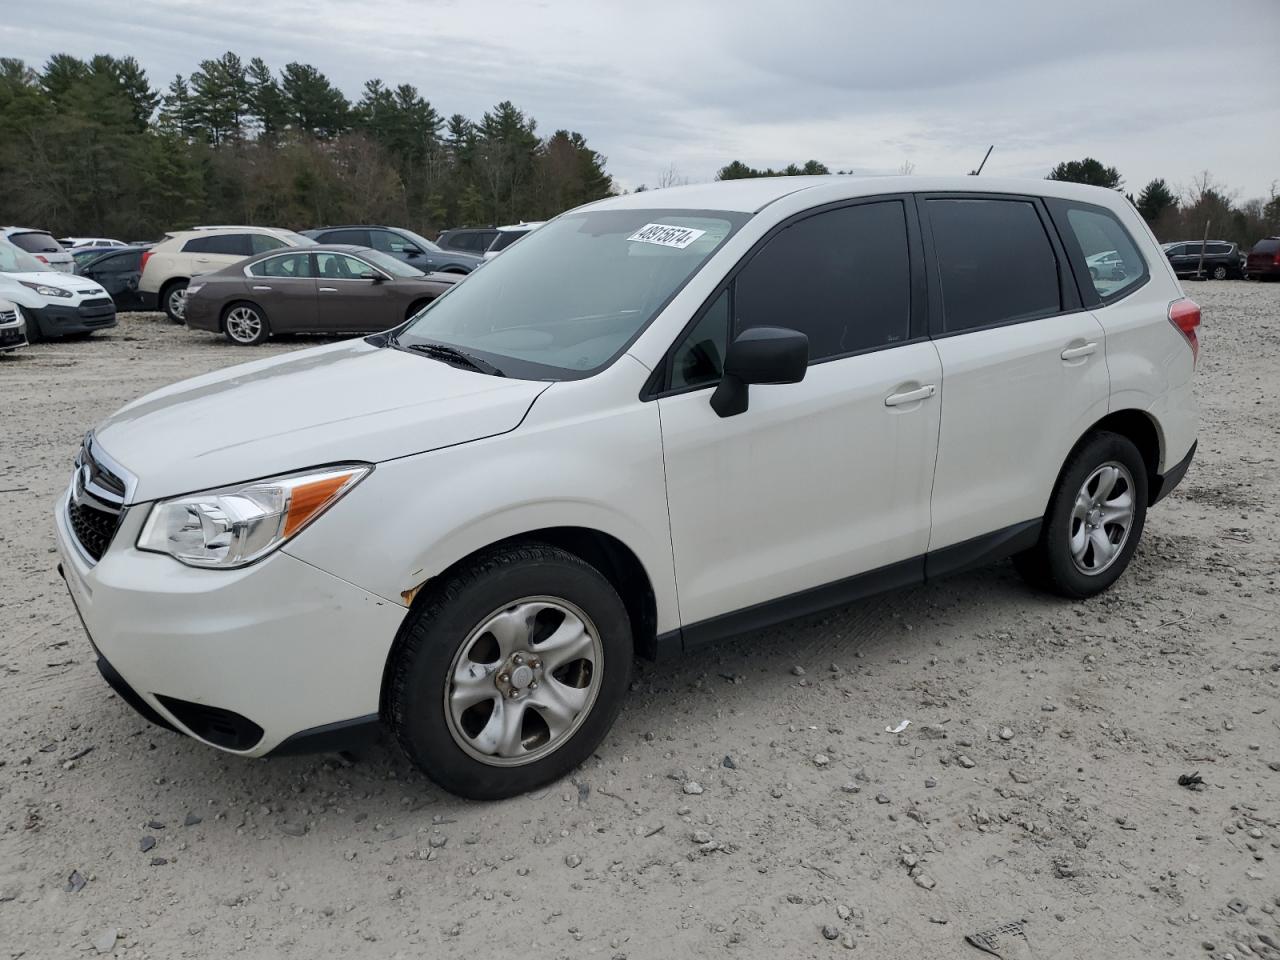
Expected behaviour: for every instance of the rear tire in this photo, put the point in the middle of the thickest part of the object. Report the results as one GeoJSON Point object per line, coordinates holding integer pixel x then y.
{"type": "Point", "coordinates": [1094, 521]}
{"type": "Point", "coordinates": [245, 324]}
{"type": "Point", "coordinates": [173, 300]}
{"type": "Point", "coordinates": [1220, 272]}
{"type": "Point", "coordinates": [510, 672]}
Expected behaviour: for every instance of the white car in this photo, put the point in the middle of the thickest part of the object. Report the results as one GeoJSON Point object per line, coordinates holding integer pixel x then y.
{"type": "Point", "coordinates": [168, 266]}
{"type": "Point", "coordinates": [13, 328]}
{"type": "Point", "coordinates": [70, 243]}
{"type": "Point", "coordinates": [508, 235]}
{"type": "Point", "coordinates": [53, 304]}
{"type": "Point", "coordinates": [661, 420]}
{"type": "Point", "coordinates": [41, 245]}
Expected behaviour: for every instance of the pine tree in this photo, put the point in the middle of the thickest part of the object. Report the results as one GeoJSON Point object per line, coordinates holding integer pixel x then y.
{"type": "Point", "coordinates": [1154, 200]}
{"type": "Point", "coordinates": [1088, 171]}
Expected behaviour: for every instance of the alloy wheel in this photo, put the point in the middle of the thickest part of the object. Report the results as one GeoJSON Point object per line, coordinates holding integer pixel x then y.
{"type": "Point", "coordinates": [523, 682]}
{"type": "Point", "coordinates": [244, 324]}
{"type": "Point", "coordinates": [178, 302]}
{"type": "Point", "coordinates": [1102, 517]}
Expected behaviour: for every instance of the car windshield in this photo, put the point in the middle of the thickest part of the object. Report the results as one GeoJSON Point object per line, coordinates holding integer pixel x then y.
{"type": "Point", "coordinates": [35, 242]}
{"type": "Point", "coordinates": [570, 297]}
{"type": "Point", "coordinates": [14, 260]}
{"type": "Point", "coordinates": [390, 264]}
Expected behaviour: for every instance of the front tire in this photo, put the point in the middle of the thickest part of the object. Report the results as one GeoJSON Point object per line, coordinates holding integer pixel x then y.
{"type": "Point", "coordinates": [245, 324]}
{"type": "Point", "coordinates": [1094, 522]}
{"type": "Point", "coordinates": [510, 672]}
{"type": "Point", "coordinates": [1220, 272]}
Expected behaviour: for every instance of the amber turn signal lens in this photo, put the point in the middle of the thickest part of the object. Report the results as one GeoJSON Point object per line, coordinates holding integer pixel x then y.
{"type": "Point", "coordinates": [308, 499]}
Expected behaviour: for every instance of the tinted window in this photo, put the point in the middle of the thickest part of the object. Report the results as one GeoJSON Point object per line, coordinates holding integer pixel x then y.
{"type": "Point", "coordinates": [117, 262]}
{"type": "Point", "coordinates": [505, 239]}
{"type": "Point", "coordinates": [1110, 256]}
{"type": "Point", "coordinates": [35, 242]}
{"type": "Point", "coordinates": [700, 357]}
{"type": "Point", "coordinates": [359, 238]}
{"type": "Point", "coordinates": [228, 244]}
{"type": "Point", "coordinates": [994, 262]}
{"type": "Point", "coordinates": [1191, 249]}
{"type": "Point", "coordinates": [842, 277]}
{"type": "Point", "coordinates": [262, 242]}
{"type": "Point", "coordinates": [296, 265]}
{"type": "Point", "coordinates": [389, 242]}
{"type": "Point", "coordinates": [1218, 249]}
{"type": "Point", "coordinates": [1269, 245]}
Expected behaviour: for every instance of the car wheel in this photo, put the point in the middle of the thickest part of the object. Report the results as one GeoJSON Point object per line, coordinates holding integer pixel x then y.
{"type": "Point", "coordinates": [174, 301]}
{"type": "Point", "coordinates": [1094, 521]}
{"type": "Point", "coordinates": [246, 324]}
{"type": "Point", "coordinates": [1220, 272]}
{"type": "Point", "coordinates": [415, 307]}
{"type": "Point", "coordinates": [510, 672]}
{"type": "Point", "coordinates": [33, 328]}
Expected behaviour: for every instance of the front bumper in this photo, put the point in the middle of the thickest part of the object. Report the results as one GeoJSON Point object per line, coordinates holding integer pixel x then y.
{"type": "Point", "coordinates": [13, 335]}
{"type": "Point", "coordinates": [243, 660]}
{"type": "Point", "coordinates": [56, 320]}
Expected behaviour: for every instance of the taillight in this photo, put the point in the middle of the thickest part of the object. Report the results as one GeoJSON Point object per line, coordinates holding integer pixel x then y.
{"type": "Point", "coordinates": [1185, 315]}
{"type": "Point", "coordinates": [1277, 258]}
{"type": "Point", "coordinates": [42, 259]}
{"type": "Point", "coordinates": [142, 264]}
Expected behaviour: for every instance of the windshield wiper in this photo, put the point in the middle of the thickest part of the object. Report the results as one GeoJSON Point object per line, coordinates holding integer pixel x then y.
{"type": "Point", "coordinates": [448, 354]}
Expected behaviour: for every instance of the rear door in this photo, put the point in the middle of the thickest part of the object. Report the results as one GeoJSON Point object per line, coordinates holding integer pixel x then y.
{"type": "Point", "coordinates": [285, 287]}
{"type": "Point", "coordinates": [1023, 365]}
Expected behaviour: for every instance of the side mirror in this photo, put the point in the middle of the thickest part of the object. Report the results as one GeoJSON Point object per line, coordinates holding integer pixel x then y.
{"type": "Point", "coordinates": [759, 355]}
{"type": "Point", "coordinates": [375, 277]}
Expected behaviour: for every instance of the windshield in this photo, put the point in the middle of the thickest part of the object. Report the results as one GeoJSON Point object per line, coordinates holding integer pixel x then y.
{"type": "Point", "coordinates": [570, 297]}
{"type": "Point", "coordinates": [13, 260]}
{"type": "Point", "coordinates": [390, 264]}
{"type": "Point", "coordinates": [35, 242]}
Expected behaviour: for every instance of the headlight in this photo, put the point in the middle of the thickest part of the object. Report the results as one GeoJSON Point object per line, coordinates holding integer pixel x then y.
{"type": "Point", "coordinates": [45, 290]}
{"type": "Point", "coordinates": [234, 526]}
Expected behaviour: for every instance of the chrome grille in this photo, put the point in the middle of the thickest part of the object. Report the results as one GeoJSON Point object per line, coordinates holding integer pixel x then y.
{"type": "Point", "coordinates": [98, 494]}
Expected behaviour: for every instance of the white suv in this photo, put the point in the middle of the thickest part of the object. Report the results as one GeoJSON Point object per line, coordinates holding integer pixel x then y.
{"type": "Point", "coordinates": [169, 265]}
{"type": "Point", "coordinates": [660, 420]}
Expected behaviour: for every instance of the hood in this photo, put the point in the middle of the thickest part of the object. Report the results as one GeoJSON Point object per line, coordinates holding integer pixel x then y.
{"type": "Point", "coordinates": [63, 281]}
{"type": "Point", "coordinates": [340, 402]}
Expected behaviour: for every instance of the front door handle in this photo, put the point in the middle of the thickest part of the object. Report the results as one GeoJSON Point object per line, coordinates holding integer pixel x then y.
{"type": "Point", "coordinates": [1075, 353]}
{"type": "Point", "coordinates": [328, 289]}
{"type": "Point", "coordinates": [911, 396]}
{"type": "Point", "coordinates": [258, 286]}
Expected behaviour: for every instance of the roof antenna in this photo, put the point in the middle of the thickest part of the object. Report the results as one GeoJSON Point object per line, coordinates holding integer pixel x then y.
{"type": "Point", "coordinates": [974, 173]}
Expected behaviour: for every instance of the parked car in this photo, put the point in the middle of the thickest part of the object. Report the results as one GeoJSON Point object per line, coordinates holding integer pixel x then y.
{"type": "Point", "coordinates": [467, 527]}
{"type": "Point", "coordinates": [52, 303]}
{"type": "Point", "coordinates": [1222, 260]}
{"type": "Point", "coordinates": [1106, 265]}
{"type": "Point", "coordinates": [119, 271]}
{"type": "Point", "coordinates": [13, 327]}
{"type": "Point", "coordinates": [415, 250]}
{"type": "Point", "coordinates": [82, 255]}
{"type": "Point", "coordinates": [509, 235]}
{"type": "Point", "coordinates": [168, 266]}
{"type": "Point", "coordinates": [41, 245]}
{"type": "Point", "coordinates": [473, 240]}
{"type": "Point", "coordinates": [324, 289]}
{"type": "Point", "coordinates": [71, 243]}
{"type": "Point", "coordinates": [1264, 259]}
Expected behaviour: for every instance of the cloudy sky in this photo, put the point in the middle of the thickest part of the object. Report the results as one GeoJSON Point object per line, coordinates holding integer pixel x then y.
{"type": "Point", "coordinates": [1157, 88]}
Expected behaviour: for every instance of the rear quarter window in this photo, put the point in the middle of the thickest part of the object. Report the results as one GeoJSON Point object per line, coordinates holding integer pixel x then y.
{"type": "Point", "coordinates": [1103, 255]}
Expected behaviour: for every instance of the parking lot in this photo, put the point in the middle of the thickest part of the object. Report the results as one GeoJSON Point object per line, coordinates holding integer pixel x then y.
{"type": "Point", "coordinates": [750, 801]}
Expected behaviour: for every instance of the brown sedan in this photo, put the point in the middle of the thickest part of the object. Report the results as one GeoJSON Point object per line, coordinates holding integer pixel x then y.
{"type": "Point", "coordinates": [329, 288]}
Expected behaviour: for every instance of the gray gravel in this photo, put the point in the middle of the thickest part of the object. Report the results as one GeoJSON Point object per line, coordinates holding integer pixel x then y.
{"type": "Point", "coordinates": [1073, 824]}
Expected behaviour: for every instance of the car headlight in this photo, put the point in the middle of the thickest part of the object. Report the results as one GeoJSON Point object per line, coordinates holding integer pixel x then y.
{"type": "Point", "coordinates": [234, 526]}
{"type": "Point", "coordinates": [45, 290]}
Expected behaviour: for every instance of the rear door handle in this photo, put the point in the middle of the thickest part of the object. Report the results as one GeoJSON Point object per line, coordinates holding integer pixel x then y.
{"type": "Point", "coordinates": [911, 396]}
{"type": "Point", "coordinates": [328, 289]}
{"type": "Point", "coordinates": [1075, 353]}
{"type": "Point", "coordinates": [258, 286]}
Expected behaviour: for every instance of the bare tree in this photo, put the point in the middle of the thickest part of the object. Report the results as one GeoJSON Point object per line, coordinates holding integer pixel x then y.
{"type": "Point", "coordinates": [671, 177]}
{"type": "Point", "coordinates": [906, 169]}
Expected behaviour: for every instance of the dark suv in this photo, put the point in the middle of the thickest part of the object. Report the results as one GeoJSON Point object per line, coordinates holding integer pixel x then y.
{"type": "Point", "coordinates": [1222, 260]}
{"type": "Point", "coordinates": [474, 240]}
{"type": "Point", "coordinates": [413, 249]}
{"type": "Point", "coordinates": [1264, 259]}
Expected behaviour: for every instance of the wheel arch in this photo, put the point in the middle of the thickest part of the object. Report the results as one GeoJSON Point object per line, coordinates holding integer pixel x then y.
{"type": "Point", "coordinates": [1137, 426]}
{"type": "Point", "coordinates": [615, 560]}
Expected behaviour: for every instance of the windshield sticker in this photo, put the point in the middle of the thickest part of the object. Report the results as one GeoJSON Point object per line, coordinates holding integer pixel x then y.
{"type": "Point", "coordinates": [665, 235]}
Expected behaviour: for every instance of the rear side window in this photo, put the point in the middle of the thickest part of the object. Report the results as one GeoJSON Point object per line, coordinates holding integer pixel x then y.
{"type": "Point", "coordinates": [995, 262]}
{"type": "Point", "coordinates": [1219, 249]}
{"type": "Point", "coordinates": [295, 265]}
{"type": "Point", "coordinates": [120, 261]}
{"type": "Point", "coordinates": [227, 244]}
{"type": "Point", "coordinates": [1103, 253]}
{"type": "Point", "coordinates": [35, 242]}
{"type": "Point", "coordinates": [842, 277]}
{"type": "Point", "coordinates": [359, 238]}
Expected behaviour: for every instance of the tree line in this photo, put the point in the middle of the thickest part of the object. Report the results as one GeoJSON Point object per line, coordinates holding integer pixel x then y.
{"type": "Point", "coordinates": [92, 147]}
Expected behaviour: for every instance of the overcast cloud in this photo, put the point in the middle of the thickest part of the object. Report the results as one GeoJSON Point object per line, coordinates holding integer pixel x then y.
{"type": "Point", "coordinates": [1162, 88]}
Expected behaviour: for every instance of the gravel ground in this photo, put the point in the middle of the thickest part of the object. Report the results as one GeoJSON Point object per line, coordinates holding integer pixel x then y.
{"type": "Point", "coordinates": [749, 801]}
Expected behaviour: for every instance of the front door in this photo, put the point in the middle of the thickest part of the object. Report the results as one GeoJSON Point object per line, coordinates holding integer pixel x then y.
{"type": "Point", "coordinates": [818, 481]}
{"type": "Point", "coordinates": [351, 295]}
{"type": "Point", "coordinates": [118, 273]}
